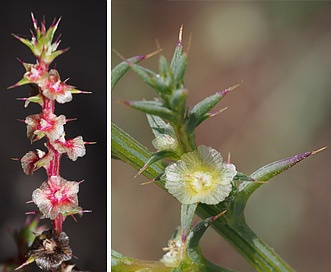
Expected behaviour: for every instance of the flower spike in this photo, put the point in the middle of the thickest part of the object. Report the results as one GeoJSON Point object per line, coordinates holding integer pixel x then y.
{"type": "Point", "coordinates": [56, 198]}
{"type": "Point", "coordinates": [41, 43]}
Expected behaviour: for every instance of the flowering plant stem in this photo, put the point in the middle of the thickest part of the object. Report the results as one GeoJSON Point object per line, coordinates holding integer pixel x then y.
{"type": "Point", "coordinates": [56, 198]}
{"type": "Point", "coordinates": [261, 256]}
{"type": "Point", "coordinates": [198, 178]}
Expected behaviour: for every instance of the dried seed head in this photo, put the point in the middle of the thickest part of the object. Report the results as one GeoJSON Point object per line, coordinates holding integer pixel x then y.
{"type": "Point", "coordinates": [50, 249]}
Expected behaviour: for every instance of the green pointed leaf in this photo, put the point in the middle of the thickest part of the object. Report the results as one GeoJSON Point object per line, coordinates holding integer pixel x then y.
{"type": "Point", "coordinates": [23, 81]}
{"type": "Point", "coordinates": [178, 51]}
{"type": "Point", "coordinates": [157, 156]}
{"type": "Point", "coordinates": [119, 70]}
{"type": "Point", "coordinates": [129, 150]}
{"type": "Point", "coordinates": [51, 31]}
{"type": "Point", "coordinates": [199, 111]}
{"type": "Point", "coordinates": [180, 69]}
{"type": "Point", "coordinates": [164, 67]}
{"type": "Point", "coordinates": [242, 177]}
{"type": "Point", "coordinates": [153, 108]}
{"type": "Point", "coordinates": [26, 42]}
{"type": "Point", "coordinates": [199, 229]}
{"type": "Point", "coordinates": [152, 79]}
{"type": "Point", "coordinates": [177, 101]}
{"type": "Point", "coordinates": [208, 115]}
{"type": "Point", "coordinates": [159, 127]}
{"type": "Point", "coordinates": [193, 250]}
{"type": "Point", "coordinates": [166, 79]}
{"type": "Point", "coordinates": [34, 99]}
{"type": "Point", "coordinates": [272, 169]}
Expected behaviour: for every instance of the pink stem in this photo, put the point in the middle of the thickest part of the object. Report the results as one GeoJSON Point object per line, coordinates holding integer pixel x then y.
{"type": "Point", "coordinates": [57, 223]}
{"type": "Point", "coordinates": [48, 107]}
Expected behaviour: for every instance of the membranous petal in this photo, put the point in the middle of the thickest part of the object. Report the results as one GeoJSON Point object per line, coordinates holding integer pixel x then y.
{"type": "Point", "coordinates": [200, 176]}
{"type": "Point", "coordinates": [56, 196]}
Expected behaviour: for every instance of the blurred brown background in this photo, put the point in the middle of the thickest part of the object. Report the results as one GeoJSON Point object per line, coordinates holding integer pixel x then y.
{"type": "Point", "coordinates": [280, 51]}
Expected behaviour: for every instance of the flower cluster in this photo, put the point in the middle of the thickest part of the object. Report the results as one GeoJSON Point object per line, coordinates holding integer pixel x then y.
{"type": "Point", "coordinates": [56, 198]}
{"type": "Point", "coordinates": [174, 251]}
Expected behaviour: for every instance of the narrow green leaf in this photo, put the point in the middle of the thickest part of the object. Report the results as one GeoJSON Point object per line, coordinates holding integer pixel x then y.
{"type": "Point", "coordinates": [159, 127]}
{"type": "Point", "coordinates": [157, 156]}
{"type": "Point", "coordinates": [199, 229]}
{"type": "Point", "coordinates": [166, 78]}
{"type": "Point", "coordinates": [153, 108]}
{"type": "Point", "coordinates": [177, 101]}
{"type": "Point", "coordinates": [119, 70]}
{"type": "Point", "coordinates": [272, 169]}
{"type": "Point", "coordinates": [178, 51]}
{"type": "Point", "coordinates": [180, 70]}
{"type": "Point", "coordinates": [242, 177]}
{"type": "Point", "coordinates": [23, 81]}
{"type": "Point", "coordinates": [193, 250]}
{"type": "Point", "coordinates": [164, 67]}
{"type": "Point", "coordinates": [152, 79]}
{"type": "Point", "coordinates": [203, 107]}
{"type": "Point", "coordinates": [129, 150]}
{"type": "Point", "coordinates": [208, 115]}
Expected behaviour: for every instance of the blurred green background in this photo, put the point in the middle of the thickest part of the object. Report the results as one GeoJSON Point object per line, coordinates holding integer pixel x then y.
{"type": "Point", "coordinates": [280, 51]}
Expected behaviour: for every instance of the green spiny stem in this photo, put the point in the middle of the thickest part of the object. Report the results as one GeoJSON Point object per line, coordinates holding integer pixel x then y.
{"type": "Point", "coordinates": [261, 256]}
{"type": "Point", "coordinates": [129, 150]}
{"type": "Point", "coordinates": [209, 266]}
{"type": "Point", "coordinates": [123, 263]}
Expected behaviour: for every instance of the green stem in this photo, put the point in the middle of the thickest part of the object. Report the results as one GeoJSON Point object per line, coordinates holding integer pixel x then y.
{"type": "Point", "coordinates": [209, 266]}
{"type": "Point", "coordinates": [129, 150]}
{"type": "Point", "coordinates": [235, 230]}
{"type": "Point", "coordinates": [122, 263]}
{"type": "Point", "coordinates": [187, 140]}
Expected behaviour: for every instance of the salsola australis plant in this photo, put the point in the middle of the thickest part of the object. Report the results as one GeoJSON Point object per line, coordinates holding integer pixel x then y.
{"type": "Point", "coordinates": [197, 176]}
{"type": "Point", "coordinates": [56, 198]}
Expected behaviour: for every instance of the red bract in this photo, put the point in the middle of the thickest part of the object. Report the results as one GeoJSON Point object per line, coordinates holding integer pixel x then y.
{"type": "Point", "coordinates": [53, 88]}
{"type": "Point", "coordinates": [74, 148]}
{"type": "Point", "coordinates": [32, 161]}
{"type": "Point", "coordinates": [39, 125]}
{"type": "Point", "coordinates": [57, 196]}
{"type": "Point", "coordinates": [34, 72]}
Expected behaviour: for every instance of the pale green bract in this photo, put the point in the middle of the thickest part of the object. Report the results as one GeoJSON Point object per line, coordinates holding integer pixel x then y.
{"type": "Point", "coordinates": [200, 176]}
